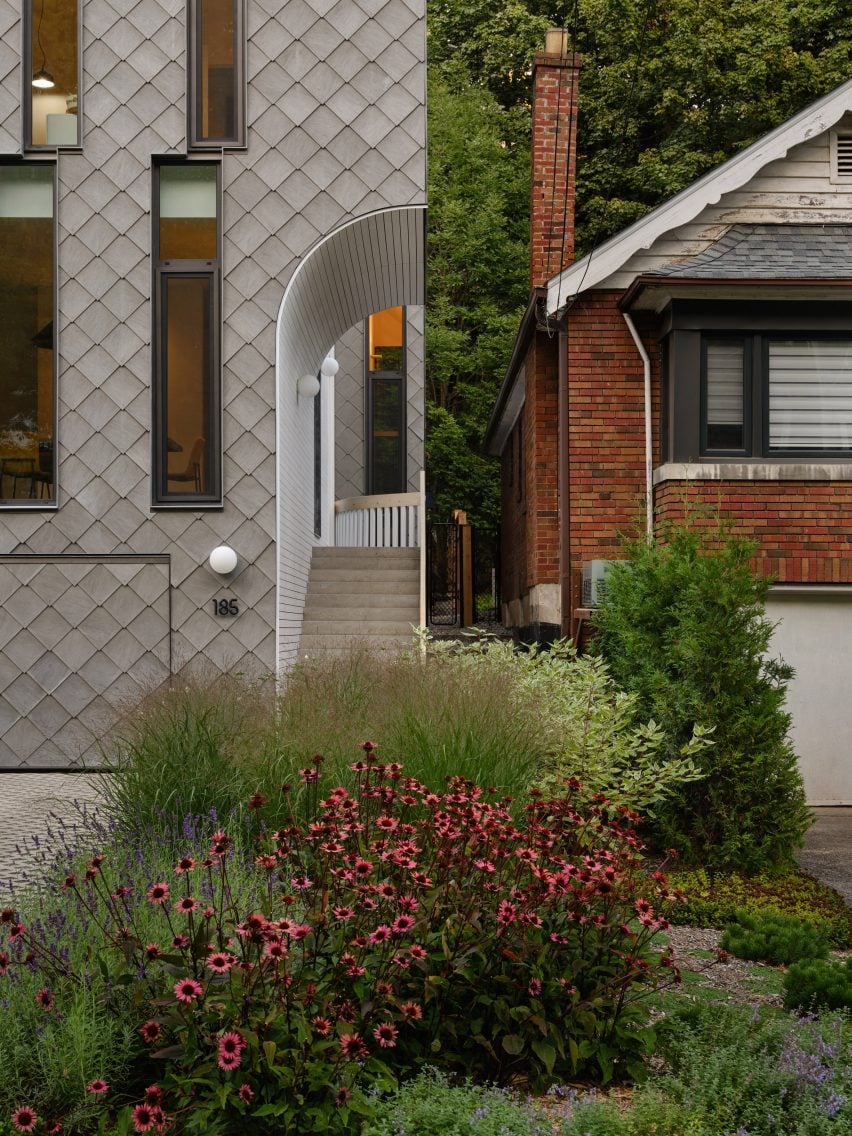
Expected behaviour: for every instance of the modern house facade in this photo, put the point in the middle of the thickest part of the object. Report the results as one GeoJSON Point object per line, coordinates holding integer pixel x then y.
{"type": "Point", "coordinates": [704, 354]}
{"type": "Point", "coordinates": [202, 203]}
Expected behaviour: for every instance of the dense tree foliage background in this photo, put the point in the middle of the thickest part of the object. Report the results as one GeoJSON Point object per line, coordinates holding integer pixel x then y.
{"type": "Point", "coordinates": [668, 90]}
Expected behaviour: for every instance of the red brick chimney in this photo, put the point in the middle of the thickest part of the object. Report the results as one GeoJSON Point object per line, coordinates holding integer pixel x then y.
{"type": "Point", "coordinates": [554, 157]}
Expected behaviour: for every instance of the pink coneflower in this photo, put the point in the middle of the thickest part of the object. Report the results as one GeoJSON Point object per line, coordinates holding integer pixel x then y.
{"type": "Point", "coordinates": [412, 1011]}
{"type": "Point", "coordinates": [534, 987]}
{"type": "Point", "coordinates": [121, 892]}
{"type": "Point", "coordinates": [45, 999]}
{"type": "Point", "coordinates": [221, 961]}
{"type": "Point", "coordinates": [229, 1061]}
{"type": "Point", "coordinates": [256, 801]}
{"type": "Point", "coordinates": [401, 924]}
{"type": "Point", "coordinates": [152, 951]}
{"type": "Point", "coordinates": [363, 868]}
{"type": "Point", "coordinates": [69, 882]}
{"type": "Point", "coordinates": [150, 1032]}
{"type": "Point", "coordinates": [187, 904]}
{"type": "Point", "coordinates": [275, 949]}
{"type": "Point", "coordinates": [417, 952]}
{"type": "Point", "coordinates": [7, 915]}
{"type": "Point", "coordinates": [53, 1127]}
{"type": "Point", "coordinates": [301, 883]}
{"type": "Point", "coordinates": [15, 931]}
{"type": "Point", "coordinates": [342, 1096]}
{"type": "Point", "coordinates": [386, 1034]}
{"type": "Point", "coordinates": [353, 1047]}
{"type": "Point", "coordinates": [381, 934]}
{"type": "Point", "coordinates": [144, 1117]}
{"type": "Point", "coordinates": [343, 913]}
{"type": "Point", "coordinates": [322, 1026]}
{"type": "Point", "coordinates": [153, 1094]}
{"type": "Point", "coordinates": [232, 1042]}
{"type": "Point", "coordinates": [98, 1086]}
{"type": "Point", "coordinates": [184, 864]}
{"type": "Point", "coordinates": [245, 1093]}
{"type": "Point", "coordinates": [267, 861]}
{"type": "Point", "coordinates": [179, 942]}
{"type": "Point", "coordinates": [4, 963]}
{"type": "Point", "coordinates": [187, 990]}
{"type": "Point", "coordinates": [24, 1118]}
{"type": "Point", "coordinates": [158, 893]}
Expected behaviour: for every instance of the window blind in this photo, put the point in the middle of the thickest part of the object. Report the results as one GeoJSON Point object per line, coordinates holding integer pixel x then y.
{"type": "Point", "coordinates": [810, 395]}
{"type": "Point", "coordinates": [725, 390]}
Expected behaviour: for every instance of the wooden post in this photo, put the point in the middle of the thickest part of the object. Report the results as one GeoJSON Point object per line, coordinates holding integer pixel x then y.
{"type": "Point", "coordinates": [466, 608]}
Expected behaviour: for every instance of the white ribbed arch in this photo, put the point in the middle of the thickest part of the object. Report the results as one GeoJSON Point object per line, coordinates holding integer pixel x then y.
{"type": "Point", "coordinates": [374, 262]}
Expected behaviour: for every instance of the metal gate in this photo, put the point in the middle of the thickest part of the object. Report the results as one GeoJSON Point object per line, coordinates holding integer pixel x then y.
{"type": "Point", "coordinates": [444, 575]}
{"type": "Point", "coordinates": [486, 577]}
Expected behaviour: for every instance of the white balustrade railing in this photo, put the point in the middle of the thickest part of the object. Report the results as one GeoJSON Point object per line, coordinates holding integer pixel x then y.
{"type": "Point", "coordinates": [388, 520]}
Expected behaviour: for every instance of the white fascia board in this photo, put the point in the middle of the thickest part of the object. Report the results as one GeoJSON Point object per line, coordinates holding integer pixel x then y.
{"type": "Point", "coordinates": [686, 205]}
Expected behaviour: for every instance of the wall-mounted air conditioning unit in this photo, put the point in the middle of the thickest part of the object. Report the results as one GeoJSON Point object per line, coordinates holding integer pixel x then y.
{"type": "Point", "coordinates": [594, 581]}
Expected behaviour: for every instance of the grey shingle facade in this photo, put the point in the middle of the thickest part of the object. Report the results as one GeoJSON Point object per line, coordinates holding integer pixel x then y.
{"type": "Point", "coordinates": [336, 129]}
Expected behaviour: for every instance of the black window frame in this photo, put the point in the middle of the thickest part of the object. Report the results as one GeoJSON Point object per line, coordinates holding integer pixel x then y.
{"type": "Point", "coordinates": [745, 450]}
{"type": "Point", "coordinates": [400, 377]}
{"type": "Point", "coordinates": [193, 99]}
{"type": "Point", "coordinates": [161, 270]}
{"type": "Point", "coordinates": [685, 328]}
{"type": "Point", "coordinates": [38, 504]}
{"type": "Point", "coordinates": [318, 459]}
{"type": "Point", "coordinates": [26, 76]}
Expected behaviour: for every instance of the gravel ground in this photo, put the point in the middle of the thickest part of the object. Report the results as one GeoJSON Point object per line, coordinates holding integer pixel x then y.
{"type": "Point", "coordinates": [734, 977]}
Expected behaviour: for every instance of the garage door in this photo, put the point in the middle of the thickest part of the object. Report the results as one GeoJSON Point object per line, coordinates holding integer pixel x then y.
{"type": "Point", "coordinates": [81, 639]}
{"type": "Point", "coordinates": [814, 635]}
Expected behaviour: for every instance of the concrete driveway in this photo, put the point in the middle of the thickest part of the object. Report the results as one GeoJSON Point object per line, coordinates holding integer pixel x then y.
{"type": "Point", "coordinates": [827, 853]}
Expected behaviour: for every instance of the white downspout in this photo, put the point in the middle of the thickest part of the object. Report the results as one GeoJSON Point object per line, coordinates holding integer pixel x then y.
{"type": "Point", "coordinates": [649, 444]}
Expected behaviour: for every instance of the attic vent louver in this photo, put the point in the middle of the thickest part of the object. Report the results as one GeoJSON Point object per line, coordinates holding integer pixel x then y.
{"type": "Point", "coordinates": [844, 156]}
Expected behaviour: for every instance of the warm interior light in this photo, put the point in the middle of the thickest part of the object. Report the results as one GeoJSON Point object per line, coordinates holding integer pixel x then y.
{"type": "Point", "coordinates": [43, 80]}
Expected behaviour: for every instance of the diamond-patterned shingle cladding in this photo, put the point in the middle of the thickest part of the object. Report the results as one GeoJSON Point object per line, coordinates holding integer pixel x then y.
{"type": "Point", "coordinates": [336, 128]}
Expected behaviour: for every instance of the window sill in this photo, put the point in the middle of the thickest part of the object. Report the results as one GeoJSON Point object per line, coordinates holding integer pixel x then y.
{"type": "Point", "coordinates": [758, 470]}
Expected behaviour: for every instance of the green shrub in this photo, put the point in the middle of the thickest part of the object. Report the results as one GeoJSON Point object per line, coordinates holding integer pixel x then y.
{"type": "Point", "coordinates": [774, 938]}
{"type": "Point", "coordinates": [813, 983]}
{"type": "Point", "coordinates": [682, 627]}
{"type": "Point", "coordinates": [712, 899]}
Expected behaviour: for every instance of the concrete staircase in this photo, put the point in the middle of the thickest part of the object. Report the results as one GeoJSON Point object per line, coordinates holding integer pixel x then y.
{"type": "Point", "coordinates": [360, 598]}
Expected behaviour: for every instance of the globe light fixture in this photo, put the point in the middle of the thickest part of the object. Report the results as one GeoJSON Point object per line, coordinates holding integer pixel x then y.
{"type": "Point", "coordinates": [308, 386]}
{"type": "Point", "coordinates": [223, 560]}
{"type": "Point", "coordinates": [330, 367]}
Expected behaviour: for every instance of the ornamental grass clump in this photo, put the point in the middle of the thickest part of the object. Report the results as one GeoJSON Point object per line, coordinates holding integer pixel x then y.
{"type": "Point", "coordinates": [392, 928]}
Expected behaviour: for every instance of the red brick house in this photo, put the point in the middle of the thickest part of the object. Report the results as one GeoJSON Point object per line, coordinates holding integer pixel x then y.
{"type": "Point", "coordinates": [703, 353]}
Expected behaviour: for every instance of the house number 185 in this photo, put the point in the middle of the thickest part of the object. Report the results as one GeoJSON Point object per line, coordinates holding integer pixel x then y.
{"type": "Point", "coordinates": [225, 607]}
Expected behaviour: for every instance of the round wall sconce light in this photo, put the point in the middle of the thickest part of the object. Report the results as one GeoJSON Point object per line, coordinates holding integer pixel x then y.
{"type": "Point", "coordinates": [308, 386]}
{"type": "Point", "coordinates": [223, 560]}
{"type": "Point", "coordinates": [330, 367]}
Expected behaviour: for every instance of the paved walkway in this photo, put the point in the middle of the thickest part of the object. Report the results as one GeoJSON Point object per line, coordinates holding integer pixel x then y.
{"type": "Point", "coordinates": [29, 803]}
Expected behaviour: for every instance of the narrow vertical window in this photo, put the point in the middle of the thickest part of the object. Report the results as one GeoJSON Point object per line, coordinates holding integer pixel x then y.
{"type": "Point", "coordinates": [386, 450]}
{"type": "Point", "coordinates": [318, 463]}
{"type": "Point", "coordinates": [724, 396]}
{"type": "Point", "coordinates": [27, 336]}
{"type": "Point", "coordinates": [216, 74]}
{"type": "Point", "coordinates": [187, 387]}
{"type": "Point", "coordinates": [52, 80]}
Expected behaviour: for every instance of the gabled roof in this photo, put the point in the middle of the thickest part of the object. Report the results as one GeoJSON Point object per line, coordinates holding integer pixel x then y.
{"type": "Point", "coordinates": [594, 268]}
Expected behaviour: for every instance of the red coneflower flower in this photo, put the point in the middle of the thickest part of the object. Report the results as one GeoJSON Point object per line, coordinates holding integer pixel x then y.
{"type": "Point", "coordinates": [179, 942]}
{"type": "Point", "coordinates": [187, 904]}
{"type": "Point", "coordinates": [150, 1032]}
{"type": "Point", "coordinates": [45, 998]}
{"type": "Point", "coordinates": [152, 951]}
{"type": "Point", "coordinates": [401, 924]}
{"type": "Point", "coordinates": [187, 990]}
{"type": "Point", "coordinates": [534, 987]}
{"type": "Point", "coordinates": [144, 1117]}
{"type": "Point", "coordinates": [342, 1096]}
{"type": "Point", "coordinates": [229, 1061]}
{"type": "Point", "coordinates": [363, 868]}
{"type": "Point", "coordinates": [158, 893]}
{"type": "Point", "coordinates": [381, 934]}
{"type": "Point", "coordinates": [68, 883]}
{"type": "Point", "coordinates": [98, 1086]}
{"type": "Point", "coordinates": [416, 951]}
{"type": "Point", "coordinates": [184, 864]}
{"type": "Point", "coordinates": [232, 1042]}
{"type": "Point", "coordinates": [15, 931]}
{"type": "Point", "coordinates": [343, 913]}
{"type": "Point", "coordinates": [386, 1034]}
{"type": "Point", "coordinates": [221, 961]}
{"type": "Point", "coordinates": [53, 1127]}
{"type": "Point", "coordinates": [244, 1092]}
{"type": "Point", "coordinates": [275, 949]}
{"type": "Point", "coordinates": [153, 1094]}
{"type": "Point", "coordinates": [322, 1026]}
{"type": "Point", "coordinates": [4, 963]}
{"type": "Point", "coordinates": [121, 892]}
{"type": "Point", "coordinates": [7, 915]}
{"type": "Point", "coordinates": [24, 1119]}
{"type": "Point", "coordinates": [353, 1047]}
{"type": "Point", "coordinates": [267, 861]}
{"type": "Point", "coordinates": [256, 801]}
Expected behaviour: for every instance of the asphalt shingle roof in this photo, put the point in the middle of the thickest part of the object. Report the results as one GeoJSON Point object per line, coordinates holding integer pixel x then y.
{"type": "Point", "coordinates": [772, 252]}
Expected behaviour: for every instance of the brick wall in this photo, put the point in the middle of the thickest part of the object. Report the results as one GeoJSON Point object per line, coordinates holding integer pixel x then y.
{"type": "Point", "coordinates": [803, 529]}
{"type": "Point", "coordinates": [606, 432]}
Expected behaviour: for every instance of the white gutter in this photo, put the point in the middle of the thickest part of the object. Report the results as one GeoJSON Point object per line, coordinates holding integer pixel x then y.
{"type": "Point", "coordinates": [649, 451]}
